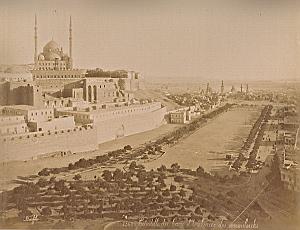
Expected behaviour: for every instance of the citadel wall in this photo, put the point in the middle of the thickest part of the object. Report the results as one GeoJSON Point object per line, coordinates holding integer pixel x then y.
{"type": "Point", "coordinates": [26, 146]}
{"type": "Point", "coordinates": [128, 125]}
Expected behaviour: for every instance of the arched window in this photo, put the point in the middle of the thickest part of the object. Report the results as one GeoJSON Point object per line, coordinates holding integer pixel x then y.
{"type": "Point", "coordinates": [95, 92]}
{"type": "Point", "coordinates": [90, 93]}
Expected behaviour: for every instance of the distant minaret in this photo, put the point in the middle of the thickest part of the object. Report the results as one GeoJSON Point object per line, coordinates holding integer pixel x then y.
{"type": "Point", "coordinates": [207, 89]}
{"type": "Point", "coordinates": [35, 40]}
{"type": "Point", "coordinates": [241, 88]}
{"type": "Point", "coordinates": [70, 43]}
{"type": "Point", "coordinates": [247, 89]}
{"type": "Point", "coordinates": [222, 87]}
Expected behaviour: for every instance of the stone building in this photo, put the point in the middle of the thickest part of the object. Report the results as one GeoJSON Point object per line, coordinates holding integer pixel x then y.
{"type": "Point", "coordinates": [14, 124]}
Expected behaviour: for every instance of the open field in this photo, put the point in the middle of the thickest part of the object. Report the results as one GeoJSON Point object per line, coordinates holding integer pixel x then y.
{"type": "Point", "coordinates": [208, 146]}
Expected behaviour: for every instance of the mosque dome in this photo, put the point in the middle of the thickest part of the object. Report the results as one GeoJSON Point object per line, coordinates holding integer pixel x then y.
{"type": "Point", "coordinates": [51, 46]}
{"type": "Point", "coordinates": [41, 57]}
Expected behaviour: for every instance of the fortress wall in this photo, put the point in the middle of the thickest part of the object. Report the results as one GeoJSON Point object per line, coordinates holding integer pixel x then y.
{"type": "Point", "coordinates": [128, 125]}
{"type": "Point", "coordinates": [26, 146]}
{"type": "Point", "coordinates": [4, 93]}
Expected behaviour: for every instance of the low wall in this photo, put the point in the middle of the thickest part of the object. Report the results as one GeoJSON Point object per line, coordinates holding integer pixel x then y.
{"type": "Point", "coordinates": [26, 146]}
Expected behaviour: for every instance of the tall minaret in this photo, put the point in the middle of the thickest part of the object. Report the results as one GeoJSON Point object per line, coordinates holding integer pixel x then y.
{"type": "Point", "coordinates": [247, 89]}
{"type": "Point", "coordinates": [207, 89]}
{"type": "Point", "coordinates": [241, 88]}
{"type": "Point", "coordinates": [70, 43]}
{"type": "Point", "coordinates": [222, 87]}
{"type": "Point", "coordinates": [35, 40]}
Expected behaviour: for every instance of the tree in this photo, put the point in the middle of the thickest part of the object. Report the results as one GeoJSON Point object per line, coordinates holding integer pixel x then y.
{"type": "Point", "coordinates": [166, 193]}
{"type": "Point", "coordinates": [107, 175]}
{"type": "Point", "coordinates": [198, 210]}
{"type": "Point", "coordinates": [118, 175]}
{"type": "Point", "coordinates": [178, 178]}
{"type": "Point", "coordinates": [172, 188]}
{"type": "Point", "coordinates": [182, 211]}
{"type": "Point", "coordinates": [44, 172]}
{"type": "Point", "coordinates": [175, 168]}
{"type": "Point", "coordinates": [25, 213]}
{"type": "Point", "coordinates": [46, 211]}
{"type": "Point", "coordinates": [172, 204]}
{"type": "Point", "coordinates": [162, 168]}
{"type": "Point", "coordinates": [42, 182]}
{"type": "Point", "coordinates": [200, 171]}
{"type": "Point", "coordinates": [164, 212]}
{"type": "Point", "coordinates": [77, 177]}
{"type": "Point", "coordinates": [160, 199]}
{"type": "Point", "coordinates": [182, 193]}
{"type": "Point", "coordinates": [127, 147]}
{"type": "Point", "coordinates": [132, 165]}
{"type": "Point", "coordinates": [52, 180]}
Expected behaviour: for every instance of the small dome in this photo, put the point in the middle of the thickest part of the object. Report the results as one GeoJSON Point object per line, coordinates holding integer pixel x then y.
{"type": "Point", "coordinates": [65, 57]}
{"type": "Point", "coordinates": [51, 46]}
{"type": "Point", "coordinates": [41, 57]}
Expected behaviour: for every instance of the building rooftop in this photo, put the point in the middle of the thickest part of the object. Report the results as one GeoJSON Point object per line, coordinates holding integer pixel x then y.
{"type": "Point", "coordinates": [23, 107]}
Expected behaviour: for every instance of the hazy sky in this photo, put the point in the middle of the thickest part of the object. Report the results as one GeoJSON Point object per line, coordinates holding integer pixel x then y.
{"type": "Point", "coordinates": [202, 39]}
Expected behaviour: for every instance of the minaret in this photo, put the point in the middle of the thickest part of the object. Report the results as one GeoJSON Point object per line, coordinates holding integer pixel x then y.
{"type": "Point", "coordinates": [207, 89]}
{"type": "Point", "coordinates": [70, 43]}
{"type": "Point", "coordinates": [241, 88]}
{"type": "Point", "coordinates": [247, 89]}
{"type": "Point", "coordinates": [35, 40]}
{"type": "Point", "coordinates": [222, 87]}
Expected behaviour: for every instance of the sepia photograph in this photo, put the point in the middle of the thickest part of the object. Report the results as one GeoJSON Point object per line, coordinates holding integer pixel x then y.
{"type": "Point", "coordinates": [149, 114]}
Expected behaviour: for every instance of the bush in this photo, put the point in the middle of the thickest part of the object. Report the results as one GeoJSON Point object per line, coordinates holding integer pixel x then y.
{"type": "Point", "coordinates": [178, 178]}
{"type": "Point", "coordinates": [127, 147]}
{"type": "Point", "coordinates": [166, 193]}
{"type": "Point", "coordinates": [42, 183]}
{"type": "Point", "coordinates": [46, 211]}
{"type": "Point", "coordinates": [77, 177]}
{"type": "Point", "coordinates": [172, 187]}
{"type": "Point", "coordinates": [44, 172]}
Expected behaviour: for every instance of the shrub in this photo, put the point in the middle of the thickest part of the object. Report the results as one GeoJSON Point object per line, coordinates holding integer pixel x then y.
{"type": "Point", "coordinates": [172, 187]}
{"type": "Point", "coordinates": [46, 211]}
{"type": "Point", "coordinates": [77, 177]}
{"type": "Point", "coordinates": [178, 178]}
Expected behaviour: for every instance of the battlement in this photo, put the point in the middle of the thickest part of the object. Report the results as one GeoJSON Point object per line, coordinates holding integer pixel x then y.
{"type": "Point", "coordinates": [30, 145]}
{"type": "Point", "coordinates": [34, 135]}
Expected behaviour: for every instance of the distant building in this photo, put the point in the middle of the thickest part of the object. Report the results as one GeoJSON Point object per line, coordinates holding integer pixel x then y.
{"type": "Point", "coordinates": [14, 124]}
{"type": "Point", "coordinates": [178, 117]}
{"type": "Point", "coordinates": [30, 113]}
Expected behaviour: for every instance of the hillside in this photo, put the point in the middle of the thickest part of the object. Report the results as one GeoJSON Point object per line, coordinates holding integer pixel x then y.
{"type": "Point", "coordinates": [157, 95]}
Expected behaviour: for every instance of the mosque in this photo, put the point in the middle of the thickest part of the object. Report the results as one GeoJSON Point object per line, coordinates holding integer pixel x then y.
{"type": "Point", "coordinates": [53, 62]}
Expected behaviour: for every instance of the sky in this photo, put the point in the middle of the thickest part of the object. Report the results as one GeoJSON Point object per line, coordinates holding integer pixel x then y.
{"type": "Point", "coordinates": [187, 39]}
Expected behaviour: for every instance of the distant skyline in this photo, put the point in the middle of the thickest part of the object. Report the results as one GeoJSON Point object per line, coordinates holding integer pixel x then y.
{"type": "Point", "coordinates": [161, 38]}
